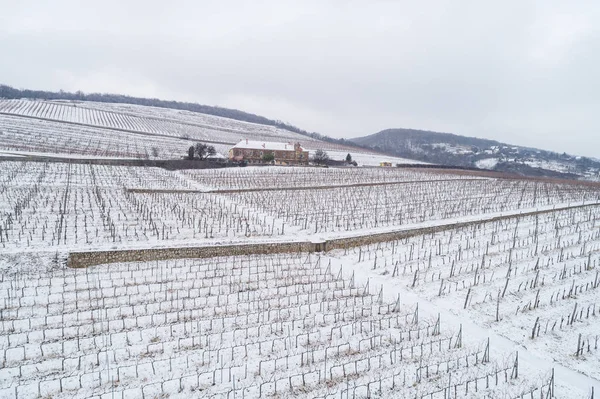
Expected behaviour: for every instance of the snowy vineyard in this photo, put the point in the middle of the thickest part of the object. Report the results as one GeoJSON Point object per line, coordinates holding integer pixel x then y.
{"type": "Point", "coordinates": [125, 131]}
{"type": "Point", "coordinates": [138, 119]}
{"type": "Point", "coordinates": [64, 206]}
{"type": "Point", "coordinates": [500, 301]}
{"type": "Point", "coordinates": [535, 279]}
{"type": "Point", "coordinates": [367, 207]}
{"type": "Point", "coordinates": [267, 326]}
{"type": "Point", "coordinates": [274, 178]}
{"type": "Point", "coordinates": [49, 137]}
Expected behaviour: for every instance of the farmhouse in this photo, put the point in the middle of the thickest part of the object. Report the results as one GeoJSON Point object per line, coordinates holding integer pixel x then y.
{"type": "Point", "coordinates": [283, 153]}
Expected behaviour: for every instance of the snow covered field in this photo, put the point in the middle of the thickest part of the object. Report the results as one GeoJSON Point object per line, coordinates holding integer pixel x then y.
{"type": "Point", "coordinates": [371, 207]}
{"type": "Point", "coordinates": [61, 206]}
{"type": "Point", "coordinates": [130, 131]}
{"type": "Point", "coordinates": [268, 326]}
{"type": "Point", "coordinates": [365, 159]}
{"type": "Point", "coordinates": [253, 177]}
{"type": "Point", "coordinates": [488, 163]}
{"type": "Point", "coordinates": [532, 279]}
{"type": "Point", "coordinates": [506, 308]}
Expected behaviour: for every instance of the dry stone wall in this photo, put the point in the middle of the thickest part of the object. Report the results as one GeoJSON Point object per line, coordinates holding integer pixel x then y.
{"type": "Point", "coordinates": [92, 258]}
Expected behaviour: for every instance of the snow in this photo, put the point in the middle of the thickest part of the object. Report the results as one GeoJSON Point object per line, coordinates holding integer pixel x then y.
{"type": "Point", "coordinates": [56, 155]}
{"type": "Point", "coordinates": [549, 165]}
{"type": "Point", "coordinates": [61, 207]}
{"type": "Point", "coordinates": [555, 350]}
{"type": "Point", "coordinates": [253, 177]}
{"type": "Point", "coordinates": [570, 383]}
{"type": "Point", "coordinates": [349, 322]}
{"type": "Point", "coordinates": [363, 159]}
{"type": "Point", "coordinates": [146, 343]}
{"type": "Point", "coordinates": [487, 163]}
{"type": "Point", "coordinates": [12, 154]}
{"type": "Point", "coordinates": [454, 149]}
{"type": "Point", "coordinates": [129, 131]}
{"type": "Point", "coordinates": [123, 339]}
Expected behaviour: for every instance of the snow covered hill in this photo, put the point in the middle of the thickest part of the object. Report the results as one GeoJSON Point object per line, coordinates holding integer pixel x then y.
{"type": "Point", "coordinates": [455, 150]}
{"type": "Point", "coordinates": [107, 130]}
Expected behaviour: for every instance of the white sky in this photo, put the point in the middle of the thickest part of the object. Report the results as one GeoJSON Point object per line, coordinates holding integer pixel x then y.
{"type": "Point", "coordinates": [522, 72]}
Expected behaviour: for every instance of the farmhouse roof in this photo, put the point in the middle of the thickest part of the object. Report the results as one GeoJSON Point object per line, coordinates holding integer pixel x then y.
{"type": "Point", "coordinates": [265, 145]}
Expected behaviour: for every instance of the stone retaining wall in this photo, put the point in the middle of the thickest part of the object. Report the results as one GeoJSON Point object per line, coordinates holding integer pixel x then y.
{"type": "Point", "coordinates": [92, 258]}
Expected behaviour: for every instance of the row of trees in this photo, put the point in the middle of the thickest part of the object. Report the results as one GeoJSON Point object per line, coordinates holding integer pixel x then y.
{"type": "Point", "coordinates": [203, 151]}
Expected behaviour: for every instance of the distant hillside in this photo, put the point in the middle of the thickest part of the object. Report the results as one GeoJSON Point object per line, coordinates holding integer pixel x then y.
{"type": "Point", "coordinates": [8, 92]}
{"type": "Point", "coordinates": [452, 149]}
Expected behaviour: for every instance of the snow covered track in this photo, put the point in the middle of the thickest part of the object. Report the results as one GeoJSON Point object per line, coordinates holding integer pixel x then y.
{"type": "Point", "coordinates": [247, 190]}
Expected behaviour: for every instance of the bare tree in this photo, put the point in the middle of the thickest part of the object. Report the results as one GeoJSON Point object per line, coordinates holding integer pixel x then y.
{"type": "Point", "coordinates": [204, 151]}
{"type": "Point", "coordinates": [321, 157]}
{"type": "Point", "coordinates": [210, 151]}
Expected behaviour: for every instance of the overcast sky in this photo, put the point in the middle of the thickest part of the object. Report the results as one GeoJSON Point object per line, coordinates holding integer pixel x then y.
{"type": "Point", "coordinates": [523, 72]}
